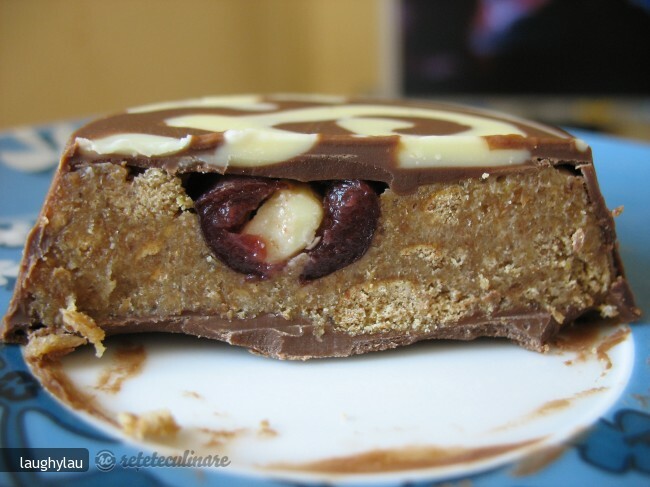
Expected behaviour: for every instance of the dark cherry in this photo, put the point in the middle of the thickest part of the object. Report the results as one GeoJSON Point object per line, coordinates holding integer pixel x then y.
{"type": "Point", "coordinates": [224, 210]}
{"type": "Point", "coordinates": [351, 216]}
{"type": "Point", "coordinates": [351, 213]}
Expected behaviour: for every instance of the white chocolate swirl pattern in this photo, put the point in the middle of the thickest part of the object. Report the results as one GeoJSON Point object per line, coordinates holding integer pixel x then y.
{"type": "Point", "coordinates": [257, 133]}
{"type": "Point", "coordinates": [247, 135]}
{"type": "Point", "coordinates": [134, 145]}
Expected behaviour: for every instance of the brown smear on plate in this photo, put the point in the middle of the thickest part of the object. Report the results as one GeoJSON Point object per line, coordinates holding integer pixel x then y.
{"type": "Point", "coordinates": [51, 375]}
{"type": "Point", "coordinates": [192, 394]}
{"type": "Point", "coordinates": [587, 340]}
{"type": "Point", "coordinates": [549, 407]}
{"type": "Point", "coordinates": [407, 458]}
{"type": "Point", "coordinates": [218, 438]}
{"type": "Point", "coordinates": [579, 338]}
{"type": "Point", "coordinates": [127, 361]}
{"type": "Point", "coordinates": [610, 342]}
{"type": "Point", "coordinates": [559, 404]}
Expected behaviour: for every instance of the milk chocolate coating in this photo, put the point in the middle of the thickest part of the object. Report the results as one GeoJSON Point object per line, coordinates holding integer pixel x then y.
{"type": "Point", "coordinates": [338, 154]}
{"type": "Point", "coordinates": [275, 337]}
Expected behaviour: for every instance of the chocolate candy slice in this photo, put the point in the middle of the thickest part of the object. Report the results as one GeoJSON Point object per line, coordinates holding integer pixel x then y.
{"type": "Point", "coordinates": [307, 226]}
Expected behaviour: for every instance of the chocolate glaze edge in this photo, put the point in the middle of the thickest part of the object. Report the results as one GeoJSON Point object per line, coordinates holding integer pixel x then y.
{"type": "Point", "coordinates": [620, 293]}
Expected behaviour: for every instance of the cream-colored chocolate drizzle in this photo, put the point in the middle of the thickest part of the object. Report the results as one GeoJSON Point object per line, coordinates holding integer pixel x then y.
{"type": "Point", "coordinates": [259, 131]}
{"type": "Point", "coordinates": [253, 140]}
{"type": "Point", "coordinates": [402, 143]}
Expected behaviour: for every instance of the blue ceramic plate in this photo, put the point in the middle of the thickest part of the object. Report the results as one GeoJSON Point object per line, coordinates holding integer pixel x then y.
{"type": "Point", "coordinates": [482, 413]}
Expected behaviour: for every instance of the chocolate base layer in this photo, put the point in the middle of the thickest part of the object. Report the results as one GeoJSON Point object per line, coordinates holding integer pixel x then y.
{"type": "Point", "coordinates": [275, 337]}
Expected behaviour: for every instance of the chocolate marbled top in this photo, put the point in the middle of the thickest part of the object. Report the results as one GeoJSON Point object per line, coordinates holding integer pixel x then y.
{"type": "Point", "coordinates": [402, 143]}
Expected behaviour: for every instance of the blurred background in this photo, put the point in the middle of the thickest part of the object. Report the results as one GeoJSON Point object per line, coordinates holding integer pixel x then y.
{"type": "Point", "coordinates": [579, 63]}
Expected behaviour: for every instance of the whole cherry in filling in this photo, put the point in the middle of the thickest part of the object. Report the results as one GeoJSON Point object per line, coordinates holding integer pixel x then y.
{"type": "Point", "coordinates": [351, 216]}
{"type": "Point", "coordinates": [256, 225]}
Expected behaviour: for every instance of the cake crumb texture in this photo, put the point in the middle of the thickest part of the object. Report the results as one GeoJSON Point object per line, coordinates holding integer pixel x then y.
{"type": "Point", "coordinates": [118, 246]}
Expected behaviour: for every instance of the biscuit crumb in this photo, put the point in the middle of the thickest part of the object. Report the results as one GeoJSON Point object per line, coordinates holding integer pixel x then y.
{"type": "Point", "coordinates": [218, 438]}
{"type": "Point", "coordinates": [84, 325]}
{"type": "Point", "coordinates": [578, 240]}
{"type": "Point", "coordinates": [52, 344]}
{"type": "Point", "coordinates": [608, 311]}
{"type": "Point", "coordinates": [265, 429]}
{"type": "Point", "coordinates": [153, 424]}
